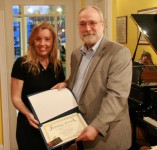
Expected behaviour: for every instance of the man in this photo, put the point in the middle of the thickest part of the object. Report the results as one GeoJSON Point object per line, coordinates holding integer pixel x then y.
{"type": "Point", "coordinates": [101, 73]}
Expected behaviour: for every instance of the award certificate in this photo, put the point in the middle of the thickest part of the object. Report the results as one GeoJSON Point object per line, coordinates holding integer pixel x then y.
{"type": "Point", "coordinates": [63, 129]}
{"type": "Point", "coordinates": [57, 130]}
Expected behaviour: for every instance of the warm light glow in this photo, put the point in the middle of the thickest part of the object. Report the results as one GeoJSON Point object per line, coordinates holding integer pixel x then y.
{"type": "Point", "coordinates": [30, 10]}
{"type": "Point", "coordinates": [59, 9]}
{"type": "Point", "coordinates": [145, 32]}
{"type": "Point", "coordinates": [140, 29]}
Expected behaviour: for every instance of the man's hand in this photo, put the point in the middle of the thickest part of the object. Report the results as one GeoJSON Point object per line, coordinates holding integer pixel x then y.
{"type": "Point", "coordinates": [60, 86]}
{"type": "Point", "coordinates": [88, 134]}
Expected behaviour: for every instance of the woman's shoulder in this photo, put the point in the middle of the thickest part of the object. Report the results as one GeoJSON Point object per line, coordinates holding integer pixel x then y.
{"type": "Point", "coordinates": [19, 70]}
{"type": "Point", "coordinates": [19, 62]}
{"type": "Point", "coordinates": [20, 59]}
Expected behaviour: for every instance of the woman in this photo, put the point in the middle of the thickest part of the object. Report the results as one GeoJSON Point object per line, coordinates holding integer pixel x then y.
{"type": "Point", "coordinates": [146, 59]}
{"type": "Point", "coordinates": [37, 71]}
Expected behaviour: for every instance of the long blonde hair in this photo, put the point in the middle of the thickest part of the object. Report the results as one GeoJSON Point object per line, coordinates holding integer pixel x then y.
{"type": "Point", "coordinates": [31, 57]}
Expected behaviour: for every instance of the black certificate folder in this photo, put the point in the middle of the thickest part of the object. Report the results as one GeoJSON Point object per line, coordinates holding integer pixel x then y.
{"type": "Point", "coordinates": [58, 115]}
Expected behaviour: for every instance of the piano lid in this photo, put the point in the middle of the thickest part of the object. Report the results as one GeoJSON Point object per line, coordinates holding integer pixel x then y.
{"type": "Point", "coordinates": [147, 23]}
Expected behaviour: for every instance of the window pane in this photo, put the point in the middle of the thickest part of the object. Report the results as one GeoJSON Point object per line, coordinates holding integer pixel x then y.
{"type": "Point", "coordinates": [61, 39]}
{"type": "Point", "coordinates": [44, 9]}
{"type": "Point", "coordinates": [61, 36]}
{"type": "Point", "coordinates": [17, 37]}
{"type": "Point", "coordinates": [16, 10]}
{"type": "Point", "coordinates": [36, 9]}
{"type": "Point", "coordinates": [60, 10]}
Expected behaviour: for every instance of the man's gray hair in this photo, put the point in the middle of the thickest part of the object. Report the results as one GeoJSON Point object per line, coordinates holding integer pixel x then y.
{"type": "Point", "coordinates": [94, 7]}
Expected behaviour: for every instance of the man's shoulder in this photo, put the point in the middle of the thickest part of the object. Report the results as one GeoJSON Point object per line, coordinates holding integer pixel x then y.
{"type": "Point", "coordinates": [77, 50]}
{"type": "Point", "coordinates": [110, 44]}
{"type": "Point", "coordinates": [115, 46]}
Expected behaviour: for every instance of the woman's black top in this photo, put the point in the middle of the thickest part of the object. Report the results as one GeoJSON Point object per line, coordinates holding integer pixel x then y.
{"type": "Point", "coordinates": [35, 83]}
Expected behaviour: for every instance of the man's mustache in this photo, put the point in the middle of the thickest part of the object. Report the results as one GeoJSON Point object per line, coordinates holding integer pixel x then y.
{"type": "Point", "coordinates": [87, 33]}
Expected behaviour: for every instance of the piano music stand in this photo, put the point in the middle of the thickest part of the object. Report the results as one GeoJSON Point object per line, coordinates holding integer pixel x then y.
{"type": "Point", "coordinates": [137, 71]}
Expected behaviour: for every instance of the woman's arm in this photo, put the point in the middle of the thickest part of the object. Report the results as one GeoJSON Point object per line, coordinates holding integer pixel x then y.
{"type": "Point", "coordinates": [16, 91]}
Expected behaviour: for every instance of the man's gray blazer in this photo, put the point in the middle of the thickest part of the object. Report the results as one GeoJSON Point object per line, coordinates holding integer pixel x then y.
{"type": "Point", "coordinates": [104, 95]}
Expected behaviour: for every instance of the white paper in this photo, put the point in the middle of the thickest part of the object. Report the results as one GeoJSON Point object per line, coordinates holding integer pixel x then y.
{"type": "Point", "coordinates": [66, 128]}
{"type": "Point", "coordinates": [51, 103]}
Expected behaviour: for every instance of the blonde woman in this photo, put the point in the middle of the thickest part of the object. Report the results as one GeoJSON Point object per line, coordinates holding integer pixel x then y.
{"type": "Point", "coordinates": [37, 71]}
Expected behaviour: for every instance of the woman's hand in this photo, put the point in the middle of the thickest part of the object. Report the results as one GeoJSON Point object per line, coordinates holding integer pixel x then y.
{"type": "Point", "coordinates": [32, 121]}
{"type": "Point", "coordinates": [60, 86]}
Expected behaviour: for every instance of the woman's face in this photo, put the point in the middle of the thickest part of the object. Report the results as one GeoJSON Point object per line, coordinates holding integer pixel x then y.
{"type": "Point", "coordinates": [145, 60]}
{"type": "Point", "coordinates": [43, 43]}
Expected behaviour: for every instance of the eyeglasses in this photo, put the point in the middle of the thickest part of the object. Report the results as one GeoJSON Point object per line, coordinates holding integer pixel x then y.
{"type": "Point", "coordinates": [89, 23]}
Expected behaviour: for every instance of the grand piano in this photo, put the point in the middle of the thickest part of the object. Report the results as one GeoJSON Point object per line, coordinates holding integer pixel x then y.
{"type": "Point", "coordinates": [143, 94]}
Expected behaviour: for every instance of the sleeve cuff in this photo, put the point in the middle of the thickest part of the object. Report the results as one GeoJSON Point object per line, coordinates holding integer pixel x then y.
{"type": "Point", "coordinates": [97, 124]}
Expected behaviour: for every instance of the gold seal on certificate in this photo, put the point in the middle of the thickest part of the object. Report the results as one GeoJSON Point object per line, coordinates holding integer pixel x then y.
{"type": "Point", "coordinates": [61, 105]}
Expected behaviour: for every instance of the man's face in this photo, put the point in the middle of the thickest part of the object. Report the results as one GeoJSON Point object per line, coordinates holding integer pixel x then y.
{"type": "Point", "coordinates": [91, 26]}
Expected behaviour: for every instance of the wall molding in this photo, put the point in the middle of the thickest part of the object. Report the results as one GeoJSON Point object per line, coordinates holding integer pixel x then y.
{"type": "Point", "coordinates": [1, 147]}
{"type": "Point", "coordinates": [4, 88]}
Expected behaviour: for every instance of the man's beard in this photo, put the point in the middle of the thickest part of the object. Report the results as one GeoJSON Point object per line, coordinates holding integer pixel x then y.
{"type": "Point", "coordinates": [89, 38]}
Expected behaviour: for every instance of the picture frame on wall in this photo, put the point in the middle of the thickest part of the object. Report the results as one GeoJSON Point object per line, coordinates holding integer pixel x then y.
{"type": "Point", "coordinates": [121, 29]}
{"type": "Point", "coordinates": [152, 10]}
